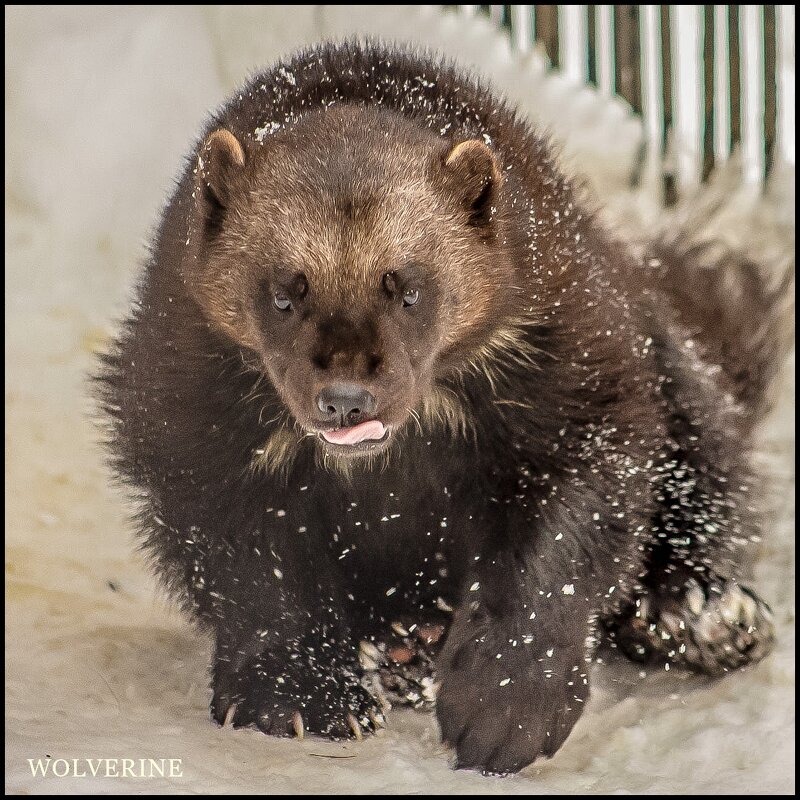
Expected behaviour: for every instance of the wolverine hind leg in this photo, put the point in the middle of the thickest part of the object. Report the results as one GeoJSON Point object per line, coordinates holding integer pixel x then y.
{"type": "Point", "coordinates": [691, 607]}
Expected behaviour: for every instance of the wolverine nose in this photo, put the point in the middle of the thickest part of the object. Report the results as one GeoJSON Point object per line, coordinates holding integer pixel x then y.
{"type": "Point", "coordinates": [347, 403]}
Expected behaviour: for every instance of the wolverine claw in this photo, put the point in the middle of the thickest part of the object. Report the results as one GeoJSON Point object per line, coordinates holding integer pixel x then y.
{"type": "Point", "coordinates": [229, 715]}
{"type": "Point", "coordinates": [355, 727]}
{"type": "Point", "coordinates": [377, 719]}
{"type": "Point", "coordinates": [297, 724]}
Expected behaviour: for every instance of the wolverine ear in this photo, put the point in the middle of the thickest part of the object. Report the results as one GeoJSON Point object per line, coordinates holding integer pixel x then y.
{"type": "Point", "coordinates": [474, 174]}
{"type": "Point", "coordinates": [221, 159]}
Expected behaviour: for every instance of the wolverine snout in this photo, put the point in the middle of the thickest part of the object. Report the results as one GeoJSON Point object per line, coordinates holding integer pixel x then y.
{"type": "Point", "coordinates": [346, 404]}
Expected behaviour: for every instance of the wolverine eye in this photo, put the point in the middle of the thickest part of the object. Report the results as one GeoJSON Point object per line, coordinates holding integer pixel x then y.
{"type": "Point", "coordinates": [392, 286]}
{"type": "Point", "coordinates": [410, 297]}
{"type": "Point", "coordinates": [282, 302]}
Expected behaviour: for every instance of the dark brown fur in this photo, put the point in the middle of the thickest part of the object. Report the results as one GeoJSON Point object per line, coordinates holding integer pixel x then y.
{"type": "Point", "coordinates": [559, 452]}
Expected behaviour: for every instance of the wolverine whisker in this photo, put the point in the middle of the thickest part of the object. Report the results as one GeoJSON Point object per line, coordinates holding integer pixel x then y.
{"type": "Point", "coordinates": [416, 418]}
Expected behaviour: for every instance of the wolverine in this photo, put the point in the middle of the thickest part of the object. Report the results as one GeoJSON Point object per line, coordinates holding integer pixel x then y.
{"type": "Point", "coordinates": [385, 366]}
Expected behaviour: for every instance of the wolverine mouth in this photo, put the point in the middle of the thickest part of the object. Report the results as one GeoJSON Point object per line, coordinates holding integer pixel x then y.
{"type": "Point", "coordinates": [363, 437]}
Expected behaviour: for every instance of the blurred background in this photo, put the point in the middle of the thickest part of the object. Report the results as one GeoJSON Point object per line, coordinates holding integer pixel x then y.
{"type": "Point", "coordinates": [705, 79]}
{"type": "Point", "coordinates": [661, 109]}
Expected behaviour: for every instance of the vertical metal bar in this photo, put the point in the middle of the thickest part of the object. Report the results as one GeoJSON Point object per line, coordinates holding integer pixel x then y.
{"type": "Point", "coordinates": [496, 14]}
{"type": "Point", "coordinates": [604, 48]}
{"type": "Point", "coordinates": [722, 86]}
{"type": "Point", "coordinates": [784, 76]}
{"type": "Point", "coordinates": [652, 92]}
{"type": "Point", "coordinates": [522, 28]}
{"type": "Point", "coordinates": [687, 23]}
{"type": "Point", "coordinates": [751, 43]}
{"type": "Point", "coordinates": [573, 34]}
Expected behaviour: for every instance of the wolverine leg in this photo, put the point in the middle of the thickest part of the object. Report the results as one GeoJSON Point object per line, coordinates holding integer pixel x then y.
{"type": "Point", "coordinates": [691, 607]}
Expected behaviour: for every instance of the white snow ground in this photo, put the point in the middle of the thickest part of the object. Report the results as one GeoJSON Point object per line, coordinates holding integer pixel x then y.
{"type": "Point", "coordinates": [100, 105]}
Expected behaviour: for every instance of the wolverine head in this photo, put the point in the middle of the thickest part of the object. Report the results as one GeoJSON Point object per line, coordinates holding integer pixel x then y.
{"type": "Point", "coordinates": [358, 255]}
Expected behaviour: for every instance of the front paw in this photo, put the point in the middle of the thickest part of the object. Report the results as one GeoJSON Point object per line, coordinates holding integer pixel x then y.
{"type": "Point", "coordinates": [287, 692]}
{"type": "Point", "coordinates": [506, 697]}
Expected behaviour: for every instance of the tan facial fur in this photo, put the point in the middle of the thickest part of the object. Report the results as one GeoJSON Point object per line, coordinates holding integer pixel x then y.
{"type": "Point", "coordinates": [335, 203]}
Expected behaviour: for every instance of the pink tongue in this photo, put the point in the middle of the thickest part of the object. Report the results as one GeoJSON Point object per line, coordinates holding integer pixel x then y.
{"type": "Point", "coordinates": [372, 429]}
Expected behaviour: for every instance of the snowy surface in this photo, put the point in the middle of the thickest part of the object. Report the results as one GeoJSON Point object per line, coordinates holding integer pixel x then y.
{"type": "Point", "coordinates": [100, 105]}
